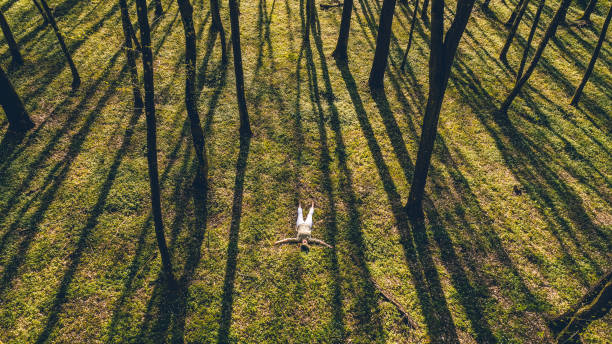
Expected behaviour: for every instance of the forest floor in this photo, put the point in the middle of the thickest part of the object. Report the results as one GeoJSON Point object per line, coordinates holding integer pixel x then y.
{"type": "Point", "coordinates": [78, 256]}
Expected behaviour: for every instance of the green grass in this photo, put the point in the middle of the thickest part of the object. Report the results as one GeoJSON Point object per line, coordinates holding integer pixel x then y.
{"type": "Point", "coordinates": [78, 257]}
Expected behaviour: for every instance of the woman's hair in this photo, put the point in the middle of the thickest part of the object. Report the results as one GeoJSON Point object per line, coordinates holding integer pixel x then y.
{"type": "Point", "coordinates": [304, 246]}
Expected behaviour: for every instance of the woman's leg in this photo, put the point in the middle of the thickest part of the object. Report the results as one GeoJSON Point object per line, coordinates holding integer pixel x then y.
{"type": "Point", "coordinates": [309, 217]}
{"type": "Point", "coordinates": [300, 218]}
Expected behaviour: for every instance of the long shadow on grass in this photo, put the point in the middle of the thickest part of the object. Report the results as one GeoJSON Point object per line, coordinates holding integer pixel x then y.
{"type": "Point", "coordinates": [48, 77]}
{"type": "Point", "coordinates": [167, 311]}
{"type": "Point", "coordinates": [48, 150]}
{"type": "Point", "coordinates": [90, 224]}
{"type": "Point", "coordinates": [143, 254]}
{"type": "Point", "coordinates": [367, 304]}
{"type": "Point", "coordinates": [367, 313]}
{"type": "Point", "coordinates": [192, 248]}
{"type": "Point", "coordinates": [264, 19]}
{"type": "Point", "coordinates": [232, 247]}
{"type": "Point", "coordinates": [424, 275]}
{"type": "Point", "coordinates": [462, 284]}
{"type": "Point", "coordinates": [541, 183]}
{"type": "Point", "coordinates": [50, 186]}
{"type": "Point", "coordinates": [10, 141]}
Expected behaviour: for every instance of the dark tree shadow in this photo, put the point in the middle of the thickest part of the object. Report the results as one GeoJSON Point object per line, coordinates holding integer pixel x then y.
{"type": "Point", "coordinates": [90, 224]}
{"type": "Point", "coordinates": [166, 310]}
{"type": "Point", "coordinates": [143, 253]}
{"type": "Point", "coordinates": [232, 247]}
{"type": "Point", "coordinates": [367, 311]}
{"type": "Point", "coordinates": [468, 295]}
{"type": "Point", "coordinates": [424, 275]}
{"type": "Point", "coordinates": [9, 142]}
{"type": "Point", "coordinates": [528, 164]}
{"type": "Point", "coordinates": [49, 188]}
{"type": "Point", "coordinates": [264, 19]}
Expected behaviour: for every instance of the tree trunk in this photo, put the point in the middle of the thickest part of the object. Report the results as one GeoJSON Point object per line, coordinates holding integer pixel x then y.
{"type": "Point", "coordinates": [13, 47]}
{"type": "Point", "coordinates": [76, 79]}
{"type": "Point", "coordinates": [510, 20]}
{"type": "Point", "coordinates": [441, 58]}
{"type": "Point", "coordinates": [383, 38]}
{"type": "Point", "coordinates": [245, 126]}
{"type": "Point", "coordinates": [16, 113]}
{"type": "Point", "coordinates": [595, 304]}
{"type": "Point", "coordinates": [424, 16]}
{"type": "Point", "coordinates": [130, 54]}
{"type": "Point", "coordinates": [42, 12]}
{"type": "Point", "coordinates": [512, 33]}
{"type": "Point", "coordinates": [128, 24]}
{"type": "Point", "coordinates": [340, 53]}
{"type": "Point", "coordinates": [589, 70]}
{"type": "Point", "coordinates": [199, 143]}
{"type": "Point", "coordinates": [550, 32]}
{"type": "Point", "coordinates": [586, 16]}
{"type": "Point", "coordinates": [414, 16]}
{"type": "Point", "coordinates": [147, 62]}
{"type": "Point", "coordinates": [159, 10]}
{"type": "Point", "coordinates": [534, 27]}
{"type": "Point", "coordinates": [217, 26]}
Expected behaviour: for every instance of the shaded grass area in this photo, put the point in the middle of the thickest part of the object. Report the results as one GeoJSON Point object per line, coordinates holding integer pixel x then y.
{"type": "Point", "coordinates": [78, 261]}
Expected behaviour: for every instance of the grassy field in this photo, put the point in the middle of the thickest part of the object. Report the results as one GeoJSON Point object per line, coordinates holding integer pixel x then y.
{"type": "Point", "coordinates": [78, 257]}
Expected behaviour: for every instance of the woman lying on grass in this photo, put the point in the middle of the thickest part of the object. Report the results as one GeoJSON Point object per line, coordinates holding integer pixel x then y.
{"type": "Point", "coordinates": [304, 230]}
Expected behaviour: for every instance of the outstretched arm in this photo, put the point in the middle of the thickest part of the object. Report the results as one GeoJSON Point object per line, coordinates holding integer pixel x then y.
{"type": "Point", "coordinates": [319, 242]}
{"type": "Point", "coordinates": [287, 241]}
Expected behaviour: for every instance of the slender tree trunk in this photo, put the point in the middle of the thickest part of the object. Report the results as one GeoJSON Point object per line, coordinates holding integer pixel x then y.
{"type": "Point", "coordinates": [340, 53]}
{"type": "Point", "coordinates": [414, 17]}
{"type": "Point", "coordinates": [593, 305]}
{"type": "Point", "coordinates": [589, 70]}
{"type": "Point", "coordinates": [13, 47]}
{"type": "Point", "coordinates": [550, 32]}
{"type": "Point", "coordinates": [199, 143]}
{"type": "Point", "coordinates": [534, 27]}
{"type": "Point", "coordinates": [245, 126]}
{"type": "Point", "coordinates": [424, 15]}
{"type": "Point", "coordinates": [18, 117]}
{"type": "Point", "coordinates": [147, 62]}
{"type": "Point", "coordinates": [510, 20]}
{"type": "Point", "coordinates": [586, 16]}
{"type": "Point", "coordinates": [76, 79]}
{"type": "Point", "coordinates": [128, 28]}
{"type": "Point", "coordinates": [383, 38]}
{"type": "Point", "coordinates": [134, 39]}
{"type": "Point", "coordinates": [130, 54]}
{"type": "Point", "coordinates": [441, 59]}
{"type": "Point", "coordinates": [159, 10]}
{"type": "Point", "coordinates": [42, 12]}
{"type": "Point", "coordinates": [512, 33]}
{"type": "Point", "coordinates": [217, 26]}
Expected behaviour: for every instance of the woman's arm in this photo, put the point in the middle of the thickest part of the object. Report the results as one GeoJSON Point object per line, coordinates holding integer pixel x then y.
{"type": "Point", "coordinates": [287, 241]}
{"type": "Point", "coordinates": [319, 242]}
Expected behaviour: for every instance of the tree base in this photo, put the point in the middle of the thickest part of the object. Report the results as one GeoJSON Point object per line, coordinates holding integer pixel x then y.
{"type": "Point", "coordinates": [21, 127]}
{"type": "Point", "coordinates": [376, 84]}
{"type": "Point", "coordinates": [415, 211]}
{"type": "Point", "coordinates": [76, 83]}
{"type": "Point", "coordinates": [340, 56]}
